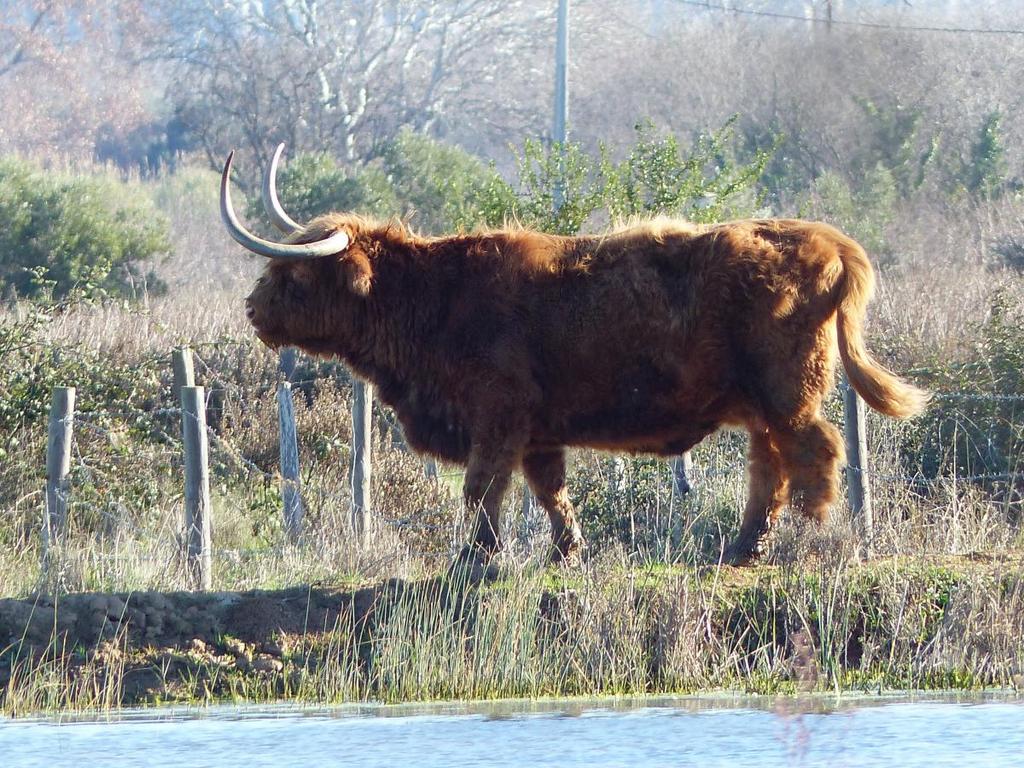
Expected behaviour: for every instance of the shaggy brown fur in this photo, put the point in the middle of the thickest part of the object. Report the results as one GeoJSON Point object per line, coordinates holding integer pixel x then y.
{"type": "Point", "coordinates": [499, 350]}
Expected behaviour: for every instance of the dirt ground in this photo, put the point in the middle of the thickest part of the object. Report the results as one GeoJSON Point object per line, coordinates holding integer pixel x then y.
{"type": "Point", "coordinates": [160, 639]}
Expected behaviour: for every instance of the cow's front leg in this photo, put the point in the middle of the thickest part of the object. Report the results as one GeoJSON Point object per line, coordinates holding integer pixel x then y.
{"type": "Point", "coordinates": [490, 466]}
{"type": "Point", "coordinates": [483, 491]}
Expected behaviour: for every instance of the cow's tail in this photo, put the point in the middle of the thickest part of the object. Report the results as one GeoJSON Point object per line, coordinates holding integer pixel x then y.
{"type": "Point", "coordinates": [881, 389]}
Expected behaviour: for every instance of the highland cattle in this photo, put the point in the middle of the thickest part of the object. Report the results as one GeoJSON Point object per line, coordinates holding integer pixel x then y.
{"type": "Point", "coordinates": [498, 350]}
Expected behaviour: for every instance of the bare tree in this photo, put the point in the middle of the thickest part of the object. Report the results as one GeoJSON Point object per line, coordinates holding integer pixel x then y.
{"type": "Point", "coordinates": [60, 63]}
{"type": "Point", "coordinates": [829, 95]}
{"type": "Point", "coordinates": [328, 74]}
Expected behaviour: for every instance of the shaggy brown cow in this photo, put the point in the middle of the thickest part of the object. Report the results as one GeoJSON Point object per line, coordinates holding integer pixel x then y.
{"type": "Point", "coordinates": [497, 350]}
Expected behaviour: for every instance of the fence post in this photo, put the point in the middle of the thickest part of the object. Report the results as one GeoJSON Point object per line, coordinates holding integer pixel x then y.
{"type": "Point", "coordinates": [430, 468]}
{"type": "Point", "coordinates": [682, 468]}
{"type": "Point", "coordinates": [362, 411]}
{"type": "Point", "coordinates": [58, 465]}
{"type": "Point", "coordinates": [197, 486]}
{"type": "Point", "coordinates": [857, 480]}
{"type": "Point", "coordinates": [291, 489]}
{"type": "Point", "coordinates": [529, 502]}
{"type": "Point", "coordinates": [617, 480]}
{"type": "Point", "coordinates": [286, 362]}
{"type": "Point", "coordinates": [184, 370]}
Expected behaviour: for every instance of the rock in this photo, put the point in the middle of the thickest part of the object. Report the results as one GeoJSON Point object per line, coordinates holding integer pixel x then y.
{"type": "Point", "coordinates": [235, 646]}
{"type": "Point", "coordinates": [267, 664]}
{"type": "Point", "coordinates": [274, 648]}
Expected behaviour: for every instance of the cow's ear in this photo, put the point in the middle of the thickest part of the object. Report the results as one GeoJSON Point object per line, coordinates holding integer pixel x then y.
{"type": "Point", "coordinates": [358, 273]}
{"type": "Point", "coordinates": [302, 273]}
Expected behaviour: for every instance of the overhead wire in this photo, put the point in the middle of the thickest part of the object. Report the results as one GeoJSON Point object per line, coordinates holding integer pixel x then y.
{"type": "Point", "coordinates": [849, 22]}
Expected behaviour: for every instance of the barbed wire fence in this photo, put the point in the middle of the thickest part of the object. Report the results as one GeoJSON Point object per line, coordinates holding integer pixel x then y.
{"type": "Point", "coordinates": [75, 477]}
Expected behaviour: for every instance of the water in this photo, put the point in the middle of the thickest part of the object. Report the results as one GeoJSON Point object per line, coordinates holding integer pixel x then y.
{"type": "Point", "coordinates": [678, 732]}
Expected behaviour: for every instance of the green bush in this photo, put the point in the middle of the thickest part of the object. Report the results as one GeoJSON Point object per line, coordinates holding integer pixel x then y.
{"type": "Point", "coordinates": [86, 234]}
{"type": "Point", "coordinates": [976, 428]}
{"type": "Point", "coordinates": [313, 184]}
{"type": "Point", "coordinates": [441, 187]}
{"type": "Point", "coordinates": [660, 175]}
{"type": "Point", "coordinates": [30, 367]}
{"type": "Point", "coordinates": [894, 140]}
{"type": "Point", "coordinates": [705, 183]}
{"type": "Point", "coordinates": [985, 172]}
{"type": "Point", "coordinates": [864, 211]}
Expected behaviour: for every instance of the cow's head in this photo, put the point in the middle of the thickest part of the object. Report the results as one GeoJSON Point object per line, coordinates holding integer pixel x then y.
{"type": "Point", "coordinates": [315, 279]}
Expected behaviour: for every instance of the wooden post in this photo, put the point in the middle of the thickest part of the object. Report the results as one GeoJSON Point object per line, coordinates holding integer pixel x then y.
{"type": "Point", "coordinates": [529, 502]}
{"type": "Point", "coordinates": [58, 465]}
{"type": "Point", "coordinates": [184, 370]}
{"type": "Point", "coordinates": [617, 480]}
{"type": "Point", "coordinates": [857, 480]}
{"type": "Point", "coordinates": [430, 468]}
{"type": "Point", "coordinates": [682, 468]}
{"type": "Point", "coordinates": [286, 362]}
{"type": "Point", "coordinates": [197, 486]}
{"type": "Point", "coordinates": [362, 411]}
{"type": "Point", "coordinates": [291, 490]}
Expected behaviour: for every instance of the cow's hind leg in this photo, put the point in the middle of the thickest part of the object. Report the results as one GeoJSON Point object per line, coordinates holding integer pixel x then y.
{"type": "Point", "coordinates": [545, 474]}
{"type": "Point", "coordinates": [812, 453]}
{"type": "Point", "coordinates": [766, 496]}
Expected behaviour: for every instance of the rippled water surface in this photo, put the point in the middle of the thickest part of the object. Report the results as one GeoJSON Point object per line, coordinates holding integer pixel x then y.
{"type": "Point", "coordinates": [676, 732]}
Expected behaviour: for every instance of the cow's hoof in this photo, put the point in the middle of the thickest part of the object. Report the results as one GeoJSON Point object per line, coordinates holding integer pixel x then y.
{"type": "Point", "coordinates": [739, 555]}
{"type": "Point", "coordinates": [746, 550]}
{"type": "Point", "coordinates": [568, 553]}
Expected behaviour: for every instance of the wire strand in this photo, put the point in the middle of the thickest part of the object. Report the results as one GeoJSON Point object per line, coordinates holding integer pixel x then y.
{"type": "Point", "coordinates": [849, 22]}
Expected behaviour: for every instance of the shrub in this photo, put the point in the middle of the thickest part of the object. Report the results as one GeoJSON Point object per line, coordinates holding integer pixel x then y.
{"type": "Point", "coordinates": [88, 234]}
{"type": "Point", "coordinates": [864, 211]}
{"type": "Point", "coordinates": [705, 183]}
{"type": "Point", "coordinates": [660, 175]}
{"type": "Point", "coordinates": [984, 174]}
{"type": "Point", "coordinates": [895, 141]}
{"type": "Point", "coordinates": [977, 430]}
{"type": "Point", "coordinates": [32, 367]}
{"type": "Point", "coordinates": [312, 184]}
{"type": "Point", "coordinates": [441, 186]}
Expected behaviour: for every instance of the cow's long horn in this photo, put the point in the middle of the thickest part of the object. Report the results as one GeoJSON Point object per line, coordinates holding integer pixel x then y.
{"type": "Point", "coordinates": [336, 243]}
{"type": "Point", "coordinates": [280, 219]}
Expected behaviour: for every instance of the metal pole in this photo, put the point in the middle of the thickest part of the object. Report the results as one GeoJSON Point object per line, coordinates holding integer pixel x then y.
{"type": "Point", "coordinates": [559, 136]}
{"type": "Point", "coordinates": [559, 133]}
{"type": "Point", "coordinates": [430, 468]}
{"type": "Point", "coordinates": [286, 362]}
